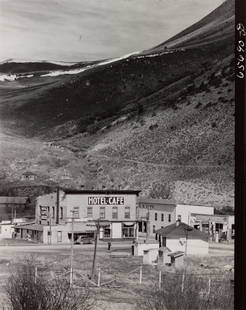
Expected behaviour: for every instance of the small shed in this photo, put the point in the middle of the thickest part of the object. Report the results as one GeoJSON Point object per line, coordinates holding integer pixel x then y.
{"type": "Point", "coordinates": [150, 256]}
{"type": "Point", "coordinates": [163, 256]}
{"type": "Point", "coordinates": [139, 248]}
{"type": "Point", "coordinates": [182, 237]}
{"type": "Point", "coordinates": [28, 176]}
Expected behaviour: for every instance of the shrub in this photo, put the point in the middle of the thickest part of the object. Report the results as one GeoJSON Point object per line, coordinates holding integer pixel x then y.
{"type": "Point", "coordinates": [25, 291]}
{"type": "Point", "coordinates": [195, 294]}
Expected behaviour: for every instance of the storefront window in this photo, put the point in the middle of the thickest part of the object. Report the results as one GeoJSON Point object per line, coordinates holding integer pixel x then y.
{"type": "Point", "coordinates": [127, 231]}
{"type": "Point", "coordinates": [106, 232]}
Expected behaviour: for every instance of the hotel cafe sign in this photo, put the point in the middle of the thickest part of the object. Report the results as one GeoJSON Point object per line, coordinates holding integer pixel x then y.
{"type": "Point", "coordinates": [105, 200]}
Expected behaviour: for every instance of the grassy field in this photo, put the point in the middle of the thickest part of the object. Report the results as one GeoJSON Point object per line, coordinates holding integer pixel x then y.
{"type": "Point", "coordinates": [119, 266]}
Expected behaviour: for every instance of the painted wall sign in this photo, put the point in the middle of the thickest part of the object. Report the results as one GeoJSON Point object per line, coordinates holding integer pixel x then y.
{"type": "Point", "coordinates": [105, 200]}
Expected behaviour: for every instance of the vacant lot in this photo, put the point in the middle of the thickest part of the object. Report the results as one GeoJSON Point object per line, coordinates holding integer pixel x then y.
{"type": "Point", "coordinates": [119, 267]}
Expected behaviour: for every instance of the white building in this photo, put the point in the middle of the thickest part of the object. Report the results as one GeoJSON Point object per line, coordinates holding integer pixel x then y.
{"type": "Point", "coordinates": [182, 237]}
{"type": "Point", "coordinates": [184, 212]}
{"type": "Point", "coordinates": [60, 213]}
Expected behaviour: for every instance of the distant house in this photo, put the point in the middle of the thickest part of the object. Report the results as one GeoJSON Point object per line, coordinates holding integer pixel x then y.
{"type": "Point", "coordinates": [182, 237]}
{"type": "Point", "coordinates": [13, 207]}
{"type": "Point", "coordinates": [222, 225]}
{"type": "Point", "coordinates": [28, 176]}
{"type": "Point", "coordinates": [7, 228]}
{"type": "Point", "coordinates": [159, 213]}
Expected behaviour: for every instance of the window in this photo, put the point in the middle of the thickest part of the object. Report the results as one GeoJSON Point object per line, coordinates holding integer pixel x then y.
{"type": "Point", "coordinates": [53, 212]}
{"type": "Point", "coordinates": [59, 236]}
{"type": "Point", "coordinates": [102, 213]}
{"type": "Point", "coordinates": [127, 212]}
{"type": "Point", "coordinates": [153, 228]}
{"type": "Point", "coordinates": [89, 212]}
{"type": "Point", "coordinates": [115, 213]}
{"type": "Point", "coordinates": [156, 216]}
{"type": "Point", "coordinates": [61, 212]}
{"type": "Point", "coordinates": [76, 212]}
{"type": "Point", "coordinates": [127, 231]}
{"type": "Point", "coordinates": [169, 217]}
{"type": "Point", "coordinates": [162, 217]}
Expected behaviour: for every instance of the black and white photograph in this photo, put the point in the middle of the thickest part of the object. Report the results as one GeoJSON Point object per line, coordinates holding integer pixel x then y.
{"type": "Point", "coordinates": [117, 154]}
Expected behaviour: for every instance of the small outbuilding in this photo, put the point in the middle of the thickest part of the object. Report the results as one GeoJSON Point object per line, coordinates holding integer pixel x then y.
{"type": "Point", "coordinates": [182, 237]}
{"type": "Point", "coordinates": [150, 256]}
{"type": "Point", "coordinates": [163, 256]}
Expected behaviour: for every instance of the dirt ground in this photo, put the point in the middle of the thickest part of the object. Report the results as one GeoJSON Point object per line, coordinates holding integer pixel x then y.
{"type": "Point", "coordinates": [118, 267]}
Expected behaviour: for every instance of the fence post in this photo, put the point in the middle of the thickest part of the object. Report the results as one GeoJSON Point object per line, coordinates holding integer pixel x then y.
{"type": "Point", "coordinates": [159, 279]}
{"type": "Point", "coordinates": [99, 277]}
{"type": "Point", "coordinates": [140, 274]}
{"type": "Point", "coordinates": [182, 285]}
{"type": "Point", "coordinates": [35, 274]}
{"type": "Point", "coordinates": [71, 276]}
{"type": "Point", "coordinates": [209, 285]}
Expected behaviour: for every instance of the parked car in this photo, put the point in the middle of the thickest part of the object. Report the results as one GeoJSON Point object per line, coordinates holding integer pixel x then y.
{"type": "Point", "coordinates": [83, 240]}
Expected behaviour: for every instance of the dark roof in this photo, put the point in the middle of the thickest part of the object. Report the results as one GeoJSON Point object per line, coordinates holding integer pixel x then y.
{"type": "Point", "coordinates": [173, 231]}
{"type": "Point", "coordinates": [160, 201]}
{"type": "Point", "coordinates": [13, 200]}
{"type": "Point", "coordinates": [101, 191]}
{"type": "Point", "coordinates": [31, 226]}
{"type": "Point", "coordinates": [29, 173]}
{"type": "Point", "coordinates": [176, 254]}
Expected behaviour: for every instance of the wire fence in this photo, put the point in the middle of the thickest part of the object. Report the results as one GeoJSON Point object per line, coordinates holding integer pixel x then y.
{"type": "Point", "coordinates": [140, 275]}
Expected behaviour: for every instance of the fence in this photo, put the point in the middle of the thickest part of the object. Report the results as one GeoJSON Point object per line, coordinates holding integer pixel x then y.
{"type": "Point", "coordinates": [140, 276]}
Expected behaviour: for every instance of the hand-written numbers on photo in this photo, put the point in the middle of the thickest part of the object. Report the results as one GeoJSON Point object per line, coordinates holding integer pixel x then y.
{"type": "Point", "coordinates": [240, 50]}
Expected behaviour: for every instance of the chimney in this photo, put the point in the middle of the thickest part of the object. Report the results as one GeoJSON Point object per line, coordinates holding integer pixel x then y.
{"type": "Point", "coordinates": [178, 222]}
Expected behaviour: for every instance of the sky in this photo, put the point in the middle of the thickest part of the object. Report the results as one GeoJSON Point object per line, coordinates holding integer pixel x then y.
{"type": "Point", "coordinates": [78, 30]}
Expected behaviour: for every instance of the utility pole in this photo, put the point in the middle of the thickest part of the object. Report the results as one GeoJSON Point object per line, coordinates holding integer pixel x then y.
{"type": "Point", "coordinates": [186, 237]}
{"type": "Point", "coordinates": [50, 226]}
{"type": "Point", "coordinates": [148, 225]}
{"type": "Point", "coordinates": [95, 248]}
{"type": "Point", "coordinates": [72, 250]}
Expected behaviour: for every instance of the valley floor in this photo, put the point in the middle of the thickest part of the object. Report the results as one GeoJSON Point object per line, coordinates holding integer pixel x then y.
{"type": "Point", "coordinates": [118, 265]}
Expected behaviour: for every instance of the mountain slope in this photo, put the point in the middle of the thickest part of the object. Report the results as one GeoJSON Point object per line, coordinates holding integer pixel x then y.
{"type": "Point", "coordinates": [161, 120]}
{"type": "Point", "coordinates": [217, 26]}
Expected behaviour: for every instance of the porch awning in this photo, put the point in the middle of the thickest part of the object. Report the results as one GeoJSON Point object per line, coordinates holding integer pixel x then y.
{"type": "Point", "coordinates": [129, 223]}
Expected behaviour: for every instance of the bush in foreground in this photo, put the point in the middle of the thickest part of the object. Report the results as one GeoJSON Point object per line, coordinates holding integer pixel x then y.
{"type": "Point", "coordinates": [25, 291]}
{"type": "Point", "coordinates": [193, 294]}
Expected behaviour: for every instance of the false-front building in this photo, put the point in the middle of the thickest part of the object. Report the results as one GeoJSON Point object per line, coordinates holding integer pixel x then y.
{"type": "Point", "coordinates": [81, 213]}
